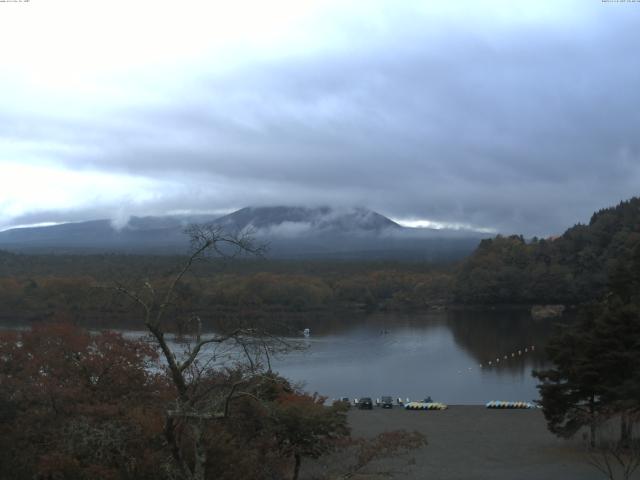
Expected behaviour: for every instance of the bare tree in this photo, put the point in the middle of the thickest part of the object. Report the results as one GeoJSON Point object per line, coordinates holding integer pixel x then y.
{"type": "Point", "coordinates": [199, 398]}
{"type": "Point", "coordinates": [614, 460]}
{"type": "Point", "coordinates": [617, 453]}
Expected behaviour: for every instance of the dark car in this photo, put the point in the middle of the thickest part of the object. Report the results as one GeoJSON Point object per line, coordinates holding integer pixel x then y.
{"type": "Point", "coordinates": [345, 401]}
{"type": "Point", "coordinates": [365, 403]}
{"type": "Point", "coordinates": [386, 402]}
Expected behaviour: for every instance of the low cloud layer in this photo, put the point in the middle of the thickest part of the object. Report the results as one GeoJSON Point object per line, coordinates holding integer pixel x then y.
{"type": "Point", "coordinates": [514, 119]}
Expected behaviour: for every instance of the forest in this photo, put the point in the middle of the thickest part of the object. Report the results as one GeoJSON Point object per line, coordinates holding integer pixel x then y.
{"type": "Point", "coordinates": [78, 288]}
{"type": "Point", "coordinates": [568, 269]}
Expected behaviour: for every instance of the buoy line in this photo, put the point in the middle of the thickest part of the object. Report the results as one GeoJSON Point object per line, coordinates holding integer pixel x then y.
{"type": "Point", "coordinates": [493, 404]}
{"type": "Point", "coordinates": [501, 404]}
{"type": "Point", "coordinates": [425, 406]}
{"type": "Point", "coordinates": [515, 354]}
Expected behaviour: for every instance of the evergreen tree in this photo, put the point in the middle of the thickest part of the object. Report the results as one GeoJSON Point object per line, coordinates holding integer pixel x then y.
{"type": "Point", "coordinates": [596, 370]}
{"type": "Point", "coordinates": [571, 391]}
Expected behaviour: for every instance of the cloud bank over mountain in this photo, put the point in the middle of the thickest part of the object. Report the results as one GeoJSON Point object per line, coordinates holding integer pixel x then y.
{"type": "Point", "coordinates": [285, 232]}
{"type": "Point", "coordinates": [506, 116]}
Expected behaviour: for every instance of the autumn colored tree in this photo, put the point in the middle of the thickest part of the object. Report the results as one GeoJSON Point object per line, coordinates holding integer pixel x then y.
{"type": "Point", "coordinates": [76, 405]}
{"type": "Point", "coordinates": [304, 427]}
{"type": "Point", "coordinates": [204, 391]}
{"type": "Point", "coordinates": [575, 267]}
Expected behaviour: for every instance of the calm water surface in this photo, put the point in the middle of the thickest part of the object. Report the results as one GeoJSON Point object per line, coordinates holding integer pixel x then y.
{"type": "Point", "coordinates": [415, 355]}
{"type": "Point", "coordinates": [437, 354]}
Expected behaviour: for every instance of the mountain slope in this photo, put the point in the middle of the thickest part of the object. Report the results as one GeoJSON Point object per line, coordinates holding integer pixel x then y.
{"type": "Point", "coordinates": [577, 266]}
{"type": "Point", "coordinates": [141, 234]}
{"type": "Point", "coordinates": [290, 232]}
{"type": "Point", "coordinates": [354, 233]}
{"type": "Point", "coordinates": [285, 221]}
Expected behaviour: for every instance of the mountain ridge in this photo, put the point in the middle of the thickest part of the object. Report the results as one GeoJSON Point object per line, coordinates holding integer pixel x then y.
{"type": "Point", "coordinates": [291, 231]}
{"type": "Point", "coordinates": [318, 219]}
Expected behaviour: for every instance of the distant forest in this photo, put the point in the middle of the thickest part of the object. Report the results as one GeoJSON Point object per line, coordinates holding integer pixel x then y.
{"type": "Point", "coordinates": [573, 268]}
{"type": "Point", "coordinates": [570, 269]}
{"type": "Point", "coordinates": [79, 288]}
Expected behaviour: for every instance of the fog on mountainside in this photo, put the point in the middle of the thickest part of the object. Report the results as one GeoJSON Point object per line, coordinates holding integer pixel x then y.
{"type": "Point", "coordinates": [290, 232]}
{"type": "Point", "coordinates": [296, 221]}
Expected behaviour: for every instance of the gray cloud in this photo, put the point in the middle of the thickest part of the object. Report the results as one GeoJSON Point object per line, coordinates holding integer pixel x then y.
{"type": "Point", "coordinates": [524, 128]}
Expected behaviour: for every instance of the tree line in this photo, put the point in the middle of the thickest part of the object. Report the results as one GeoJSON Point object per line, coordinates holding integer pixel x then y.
{"type": "Point", "coordinates": [570, 269]}
{"type": "Point", "coordinates": [593, 382]}
{"type": "Point", "coordinates": [56, 290]}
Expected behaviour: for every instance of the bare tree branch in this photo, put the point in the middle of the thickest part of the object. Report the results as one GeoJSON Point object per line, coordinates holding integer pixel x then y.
{"type": "Point", "coordinates": [197, 399]}
{"type": "Point", "coordinates": [196, 350]}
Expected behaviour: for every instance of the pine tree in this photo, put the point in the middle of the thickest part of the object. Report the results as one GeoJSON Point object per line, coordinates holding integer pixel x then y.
{"type": "Point", "coordinates": [571, 391]}
{"type": "Point", "coordinates": [596, 370]}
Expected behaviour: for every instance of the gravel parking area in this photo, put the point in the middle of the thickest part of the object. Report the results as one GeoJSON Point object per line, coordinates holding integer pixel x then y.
{"type": "Point", "coordinates": [468, 442]}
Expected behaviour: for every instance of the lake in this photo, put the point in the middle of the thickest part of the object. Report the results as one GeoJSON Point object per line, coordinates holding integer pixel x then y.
{"type": "Point", "coordinates": [437, 354]}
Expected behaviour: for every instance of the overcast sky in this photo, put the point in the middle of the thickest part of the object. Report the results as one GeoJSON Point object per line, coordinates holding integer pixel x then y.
{"type": "Point", "coordinates": [517, 116]}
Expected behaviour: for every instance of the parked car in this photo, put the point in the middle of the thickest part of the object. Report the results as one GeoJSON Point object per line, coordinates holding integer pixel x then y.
{"type": "Point", "coordinates": [346, 401]}
{"type": "Point", "coordinates": [386, 402]}
{"type": "Point", "coordinates": [365, 403]}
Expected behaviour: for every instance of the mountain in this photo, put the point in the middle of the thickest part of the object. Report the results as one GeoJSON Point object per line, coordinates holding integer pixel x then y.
{"type": "Point", "coordinates": [344, 233]}
{"type": "Point", "coordinates": [141, 234]}
{"type": "Point", "coordinates": [290, 232]}
{"type": "Point", "coordinates": [288, 221]}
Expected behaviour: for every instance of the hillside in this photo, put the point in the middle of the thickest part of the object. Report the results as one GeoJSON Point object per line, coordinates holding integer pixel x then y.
{"type": "Point", "coordinates": [298, 221]}
{"type": "Point", "coordinates": [573, 268]}
{"type": "Point", "coordinates": [290, 232]}
{"type": "Point", "coordinates": [140, 234]}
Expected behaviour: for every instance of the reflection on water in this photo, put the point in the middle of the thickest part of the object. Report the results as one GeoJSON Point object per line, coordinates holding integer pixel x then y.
{"type": "Point", "coordinates": [415, 355]}
{"type": "Point", "coordinates": [436, 354]}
